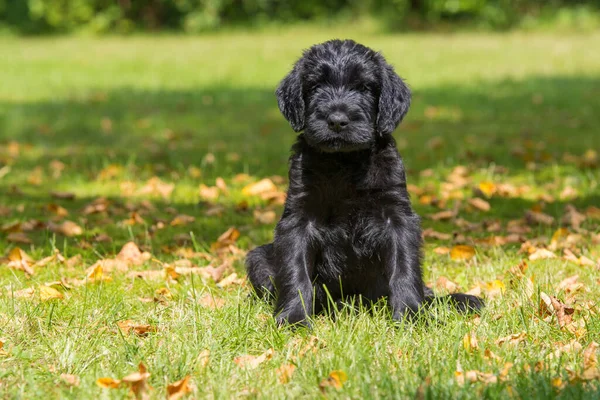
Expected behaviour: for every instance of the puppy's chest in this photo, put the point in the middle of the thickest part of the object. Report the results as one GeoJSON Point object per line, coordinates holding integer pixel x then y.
{"type": "Point", "coordinates": [349, 220]}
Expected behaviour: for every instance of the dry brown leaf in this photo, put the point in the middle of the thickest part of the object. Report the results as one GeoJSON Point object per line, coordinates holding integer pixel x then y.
{"type": "Point", "coordinates": [132, 255]}
{"type": "Point", "coordinates": [24, 293]}
{"type": "Point", "coordinates": [593, 212]}
{"type": "Point", "coordinates": [231, 279]}
{"type": "Point", "coordinates": [551, 306]}
{"type": "Point", "coordinates": [541, 254]}
{"type": "Point", "coordinates": [227, 238]}
{"type": "Point", "coordinates": [538, 218]}
{"type": "Point", "coordinates": [71, 380]}
{"type": "Point", "coordinates": [203, 358]}
{"type": "Point", "coordinates": [583, 260]}
{"type": "Point", "coordinates": [503, 375]}
{"type": "Point", "coordinates": [57, 210]}
{"type": "Point", "coordinates": [67, 228]}
{"type": "Point", "coordinates": [491, 356]}
{"type": "Point", "coordinates": [557, 237]}
{"type": "Point", "coordinates": [210, 301]}
{"type": "Point", "coordinates": [335, 379]}
{"type": "Point", "coordinates": [18, 259]}
{"type": "Point", "coordinates": [138, 382]}
{"type": "Point", "coordinates": [36, 176]}
{"type": "Point", "coordinates": [441, 250]}
{"type": "Point", "coordinates": [97, 206]}
{"type": "Point", "coordinates": [476, 291]}
{"type": "Point", "coordinates": [252, 362]}
{"type": "Point", "coordinates": [208, 193]}
{"type": "Point", "coordinates": [462, 252]}
{"type": "Point", "coordinates": [430, 233]}
{"type": "Point", "coordinates": [443, 215]}
{"type": "Point", "coordinates": [241, 178]}
{"type": "Point", "coordinates": [182, 219]}
{"type": "Point", "coordinates": [479, 204]}
{"type": "Point", "coordinates": [214, 273]}
{"type": "Point", "coordinates": [514, 339]}
{"type": "Point", "coordinates": [518, 226]}
{"type": "Point", "coordinates": [45, 261]}
{"type": "Point", "coordinates": [129, 326]}
{"type": "Point", "coordinates": [134, 219]}
{"type": "Point", "coordinates": [266, 217]}
{"type": "Point", "coordinates": [285, 372]}
{"type": "Point", "coordinates": [590, 363]}
{"type": "Point", "coordinates": [519, 269]}
{"type": "Point", "coordinates": [63, 195]}
{"type": "Point", "coordinates": [568, 193]}
{"type": "Point", "coordinates": [570, 284]}
{"type": "Point", "coordinates": [57, 167]}
{"type": "Point", "coordinates": [74, 261]}
{"type": "Point", "coordinates": [155, 186]}
{"type": "Point", "coordinates": [572, 217]}
{"type": "Point", "coordinates": [447, 284]}
{"type": "Point", "coordinates": [314, 344]}
{"type": "Point", "coordinates": [179, 389]}
{"type": "Point", "coordinates": [11, 227]}
{"type": "Point", "coordinates": [572, 347]}
{"type": "Point", "coordinates": [18, 237]}
{"type": "Point", "coordinates": [263, 186]}
{"type": "Point", "coordinates": [414, 190]}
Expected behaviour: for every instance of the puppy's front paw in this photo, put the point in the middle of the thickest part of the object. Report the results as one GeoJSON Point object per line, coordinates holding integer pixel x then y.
{"type": "Point", "coordinates": [402, 311]}
{"type": "Point", "coordinates": [293, 318]}
{"type": "Point", "coordinates": [467, 303]}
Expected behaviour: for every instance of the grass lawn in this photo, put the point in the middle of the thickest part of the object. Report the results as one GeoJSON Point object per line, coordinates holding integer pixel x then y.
{"type": "Point", "coordinates": [132, 127]}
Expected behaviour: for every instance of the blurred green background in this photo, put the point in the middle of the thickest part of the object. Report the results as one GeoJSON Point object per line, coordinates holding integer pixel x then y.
{"type": "Point", "coordinates": [194, 16]}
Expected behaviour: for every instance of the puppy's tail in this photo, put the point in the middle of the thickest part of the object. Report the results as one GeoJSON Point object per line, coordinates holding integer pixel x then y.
{"type": "Point", "coordinates": [461, 302]}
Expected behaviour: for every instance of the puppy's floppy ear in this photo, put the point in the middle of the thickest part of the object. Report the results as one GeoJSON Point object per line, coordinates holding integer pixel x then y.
{"type": "Point", "coordinates": [289, 98]}
{"type": "Point", "coordinates": [394, 100]}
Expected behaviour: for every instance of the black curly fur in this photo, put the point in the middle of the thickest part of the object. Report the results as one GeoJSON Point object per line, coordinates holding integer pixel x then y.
{"type": "Point", "coordinates": [348, 228]}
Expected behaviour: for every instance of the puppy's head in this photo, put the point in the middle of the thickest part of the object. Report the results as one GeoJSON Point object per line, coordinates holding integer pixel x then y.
{"type": "Point", "coordinates": [343, 95]}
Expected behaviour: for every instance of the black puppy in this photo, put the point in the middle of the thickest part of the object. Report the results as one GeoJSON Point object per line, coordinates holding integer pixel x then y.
{"type": "Point", "coordinates": [348, 228]}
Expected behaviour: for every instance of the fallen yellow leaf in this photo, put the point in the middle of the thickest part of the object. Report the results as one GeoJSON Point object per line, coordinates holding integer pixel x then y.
{"type": "Point", "coordinates": [336, 379]}
{"type": "Point", "coordinates": [47, 293]}
{"type": "Point", "coordinates": [108, 383]}
{"type": "Point", "coordinates": [487, 188]}
{"type": "Point", "coordinates": [462, 252]}
{"type": "Point", "coordinates": [470, 342]}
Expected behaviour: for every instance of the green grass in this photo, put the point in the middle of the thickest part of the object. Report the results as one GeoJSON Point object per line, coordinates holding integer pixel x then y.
{"type": "Point", "coordinates": [485, 101]}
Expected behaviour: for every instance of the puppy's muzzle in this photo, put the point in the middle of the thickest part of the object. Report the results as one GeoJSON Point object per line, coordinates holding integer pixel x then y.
{"type": "Point", "coordinates": [337, 121]}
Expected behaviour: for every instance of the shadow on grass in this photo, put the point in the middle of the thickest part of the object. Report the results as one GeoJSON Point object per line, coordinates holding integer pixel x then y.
{"type": "Point", "coordinates": [173, 129]}
{"type": "Point", "coordinates": [164, 133]}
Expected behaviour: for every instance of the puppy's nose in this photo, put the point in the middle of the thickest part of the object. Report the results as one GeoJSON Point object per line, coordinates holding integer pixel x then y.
{"type": "Point", "coordinates": [337, 121]}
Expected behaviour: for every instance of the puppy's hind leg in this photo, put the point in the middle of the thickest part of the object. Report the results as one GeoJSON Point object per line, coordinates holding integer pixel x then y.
{"type": "Point", "coordinates": [261, 270]}
{"type": "Point", "coordinates": [461, 302]}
